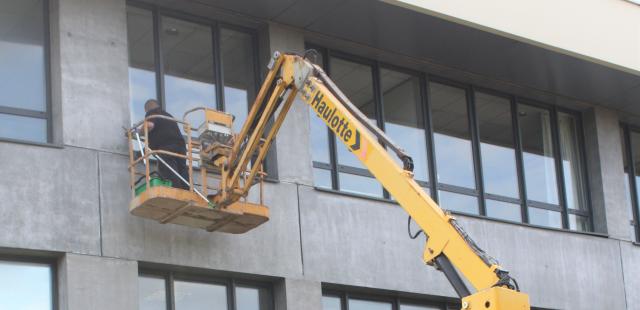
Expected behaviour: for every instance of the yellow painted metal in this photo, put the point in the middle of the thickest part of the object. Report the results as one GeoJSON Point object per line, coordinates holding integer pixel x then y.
{"type": "Point", "coordinates": [496, 298]}
{"type": "Point", "coordinates": [290, 75]}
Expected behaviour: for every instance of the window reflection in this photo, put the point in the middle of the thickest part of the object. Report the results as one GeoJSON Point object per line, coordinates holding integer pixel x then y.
{"type": "Point", "coordinates": [496, 145]}
{"type": "Point", "coordinates": [23, 128]}
{"type": "Point", "coordinates": [627, 185]}
{"type": "Point", "coordinates": [142, 76]}
{"type": "Point", "coordinates": [404, 122]}
{"type": "Point", "coordinates": [236, 49]}
{"type": "Point", "coordinates": [458, 202]}
{"type": "Point", "coordinates": [571, 162]}
{"type": "Point", "coordinates": [22, 67]}
{"type": "Point", "coordinates": [503, 210]}
{"type": "Point", "coordinates": [358, 304]}
{"type": "Point", "coordinates": [250, 298]}
{"type": "Point", "coordinates": [322, 178]}
{"type": "Point", "coordinates": [356, 81]}
{"type": "Point", "coordinates": [188, 67]}
{"type": "Point", "coordinates": [26, 286]}
{"type": "Point", "coordinates": [151, 293]}
{"type": "Point", "coordinates": [199, 296]}
{"type": "Point", "coordinates": [580, 223]}
{"type": "Point", "coordinates": [331, 303]}
{"type": "Point", "coordinates": [537, 146]}
{"type": "Point", "coordinates": [545, 217]}
{"type": "Point", "coordinates": [416, 307]}
{"type": "Point", "coordinates": [454, 157]}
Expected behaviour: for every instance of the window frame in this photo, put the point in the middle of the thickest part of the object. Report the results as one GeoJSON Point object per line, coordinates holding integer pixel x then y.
{"type": "Point", "coordinates": [169, 277]}
{"type": "Point", "coordinates": [48, 261]}
{"type": "Point", "coordinates": [47, 115]}
{"type": "Point", "coordinates": [627, 129]}
{"type": "Point", "coordinates": [474, 135]}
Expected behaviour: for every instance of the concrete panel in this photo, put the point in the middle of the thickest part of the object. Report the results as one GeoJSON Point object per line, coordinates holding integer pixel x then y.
{"type": "Point", "coordinates": [271, 249]}
{"type": "Point", "coordinates": [606, 174]}
{"type": "Point", "coordinates": [293, 294]}
{"type": "Point", "coordinates": [94, 79]}
{"type": "Point", "coordinates": [631, 266]}
{"type": "Point", "coordinates": [559, 270]}
{"type": "Point", "coordinates": [364, 243]}
{"type": "Point", "coordinates": [48, 199]}
{"type": "Point", "coordinates": [91, 282]}
{"type": "Point", "coordinates": [294, 157]}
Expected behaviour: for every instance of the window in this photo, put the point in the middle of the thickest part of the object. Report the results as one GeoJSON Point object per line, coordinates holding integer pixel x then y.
{"type": "Point", "coordinates": [631, 152]}
{"type": "Point", "coordinates": [184, 292]}
{"type": "Point", "coordinates": [24, 72]}
{"type": "Point", "coordinates": [476, 151]}
{"type": "Point", "coordinates": [332, 300]}
{"type": "Point", "coordinates": [26, 285]}
{"type": "Point", "coordinates": [187, 62]}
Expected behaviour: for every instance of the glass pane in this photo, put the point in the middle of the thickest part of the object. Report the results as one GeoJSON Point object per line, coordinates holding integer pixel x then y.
{"type": "Point", "coordinates": [458, 202]}
{"type": "Point", "coordinates": [25, 286]}
{"type": "Point", "coordinates": [356, 82]}
{"type": "Point", "coordinates": [200, 296]}
{"type": "Point", "coordinates": [496, 145]}
{"type": "Point", "coordinates": [415, 307]}
{"type": "Point", "coordinates": [545, 217]}
{"type": "Point", "coordinates": [250, 298]}
{"type": "Point", "coordinates": [188, 67]}
{"type": "Point", "coordinates": [331, 303]}
{"type": "Point", "coordinates": [152, 294]}
{"type": "Point", "coordinates": [319, 132]}
{"type": "Point", "coordinates": [571, 162]}
{"type": "Point", "coordinates": [537, 147]}
{"type": "Point", "coordinates": [404, 122]}
{"type": "Point", "coordinates": [503, 210]}
{"type": "Point", "coordinates": [358, 304]}
{"type": "Point", "coordinates": [451, 135]}
{"type": "Point", "coordinates": [579, 223]}
{"type": "Point", "coordinates": [22, 68]}
{"type": "Point", "coordinates": [23, 128]}
{"type": "Point", "coordinates": [238, 65]}
{"type": "Point", "coordinates": [142, 75]}
{"type": "Point", "coordinates": [322, 178]}
{"type": "Point", "coordinates": [319, 139]}
{"type": "Point", "coordinates": [360, 185]}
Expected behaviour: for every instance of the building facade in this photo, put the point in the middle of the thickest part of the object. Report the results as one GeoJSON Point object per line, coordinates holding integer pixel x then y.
{"type": "Point", "coordinates": [523, 120]}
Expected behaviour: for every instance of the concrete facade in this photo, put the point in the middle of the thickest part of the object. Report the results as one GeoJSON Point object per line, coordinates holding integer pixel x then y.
{"type": "Point", "coordinates": [72, 200]}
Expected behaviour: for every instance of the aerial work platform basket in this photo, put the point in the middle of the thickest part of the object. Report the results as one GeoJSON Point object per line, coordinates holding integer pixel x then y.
{"type": "Point", "coordinates": [155, 198]}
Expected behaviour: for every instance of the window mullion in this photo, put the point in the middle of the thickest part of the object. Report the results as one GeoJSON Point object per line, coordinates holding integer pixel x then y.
{"type": "Point", "coordinates": [217, 67]}
{"type": "Point", "coordinates": [171, 300]}
{"type": "Point", "coordinates": [519, 160]}
{"type": "Point", "coordinates": [431, 155]}
{"type": "Point", "coordinates": [158, 58]}
{"type": "Point", "coordinates": [333, 153]}
{"type": "Point", "coordinates": [378, 106]}
{"type": "Point", "coordinates": [231, 295]}
{"type": "Point", "coordinates": [475, 144]}
{"type": "Point", "coordinates": [555, 136]}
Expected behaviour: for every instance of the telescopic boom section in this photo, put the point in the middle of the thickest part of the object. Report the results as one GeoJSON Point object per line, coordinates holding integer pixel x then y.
{"type": "Point", "coordinates": [448, 247]}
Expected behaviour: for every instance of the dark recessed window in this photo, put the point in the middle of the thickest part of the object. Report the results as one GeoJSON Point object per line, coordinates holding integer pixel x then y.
{"type": "Point", "coordinates": [336, 300]}
{"type": "Point", "coordinates": [630, 137]}
{"type": "Point", "coordinates": [167, 290]}
{"type": "Point", "coordinates": [24, 72]}
{"type": "Point", "coordinates": [28, 285]}
{"type": "Point", "coordinates": [476, 151]}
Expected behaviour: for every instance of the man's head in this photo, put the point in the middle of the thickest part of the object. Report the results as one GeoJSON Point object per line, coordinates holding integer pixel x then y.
{"type": "Point", "coordinates": [150, 105]}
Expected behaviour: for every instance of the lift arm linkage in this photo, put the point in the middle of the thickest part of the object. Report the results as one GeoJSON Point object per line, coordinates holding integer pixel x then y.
{"type": "Point", "coordinates": [448, 247]}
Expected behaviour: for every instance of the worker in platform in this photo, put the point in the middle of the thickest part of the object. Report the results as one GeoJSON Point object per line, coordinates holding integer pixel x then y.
{"type": "Point", "coordinates": [165, 135]}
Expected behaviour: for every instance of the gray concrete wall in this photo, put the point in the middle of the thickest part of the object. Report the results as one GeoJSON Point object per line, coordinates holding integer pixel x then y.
{"type": "Point", "coordinates": [74, 200]}
{"type": "Point", "coordinates": [97, 283]}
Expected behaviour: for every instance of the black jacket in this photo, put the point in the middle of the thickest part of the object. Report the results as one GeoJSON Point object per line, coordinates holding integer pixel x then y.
{"type": "Point", "coordinates": [165, 134]}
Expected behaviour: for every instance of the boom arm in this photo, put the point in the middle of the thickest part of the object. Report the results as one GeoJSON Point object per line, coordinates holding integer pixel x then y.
{"type": "Point", "coordinates": [448, 247]}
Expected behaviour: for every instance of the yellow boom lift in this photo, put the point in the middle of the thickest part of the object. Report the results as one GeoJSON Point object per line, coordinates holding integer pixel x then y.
{"type": "Point", "coordinates": [236, 162]}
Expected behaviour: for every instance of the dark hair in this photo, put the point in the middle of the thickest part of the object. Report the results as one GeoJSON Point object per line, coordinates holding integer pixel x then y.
{"type": "Point", "coordinates": [148, 103]}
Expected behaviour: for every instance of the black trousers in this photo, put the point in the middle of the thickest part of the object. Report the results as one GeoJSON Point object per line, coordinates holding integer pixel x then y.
{"type": "Point", "coordinates": [178, 164]}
